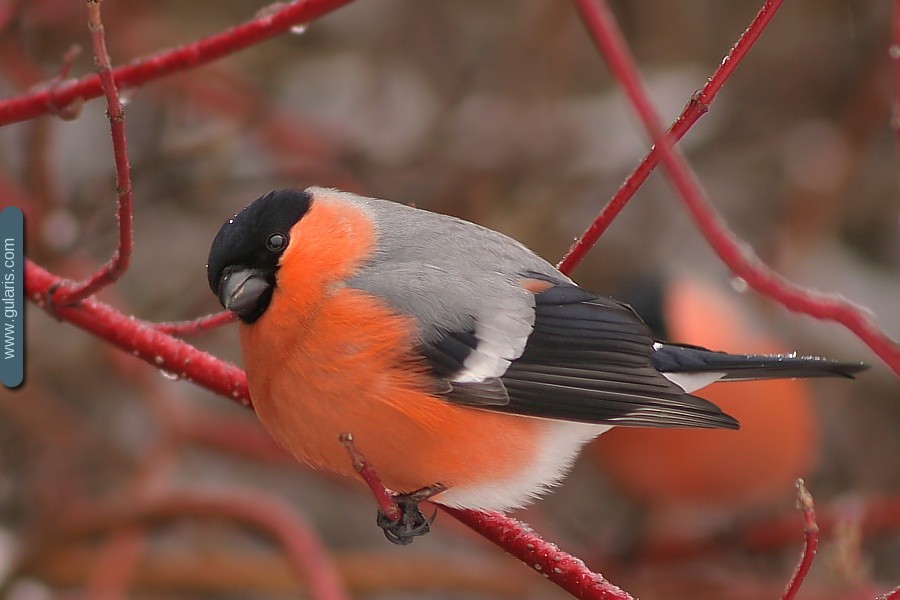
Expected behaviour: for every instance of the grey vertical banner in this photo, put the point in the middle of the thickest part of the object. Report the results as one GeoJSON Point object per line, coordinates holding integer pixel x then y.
{"type": "Point", "coordinates": [12, 297]}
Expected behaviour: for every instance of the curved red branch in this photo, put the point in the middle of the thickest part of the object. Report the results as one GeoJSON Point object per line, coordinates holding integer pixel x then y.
{"type": "Point", "coordinates": [196, 326]}
{"type": "Point", "coordinates": [383, 497]}
{"type": "Point", "coordinates": [697, 107]}
{"type": "Point", "coordinates": [811, 531]}
{"type": "Point", "coordinates": [733, 252]}
{"type": "Point", "coordinates": [121, 258]}
{"type": "Point", "coordinates": [302, 547]}
{"type": "Point", "coordinates": [188, 56]}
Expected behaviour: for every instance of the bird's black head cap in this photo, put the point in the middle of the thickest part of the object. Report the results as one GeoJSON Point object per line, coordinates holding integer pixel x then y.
{"type": "Point", "coordinates": [253, 240]}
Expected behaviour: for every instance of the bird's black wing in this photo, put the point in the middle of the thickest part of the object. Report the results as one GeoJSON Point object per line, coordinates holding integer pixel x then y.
{"type": "Point", "coordinates": [587, 359]}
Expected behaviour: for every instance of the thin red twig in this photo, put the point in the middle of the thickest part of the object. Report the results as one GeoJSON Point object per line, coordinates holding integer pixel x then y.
{"type": "Point", "coordinates": [72, 110]}
{"type": "Point", "coordinates": [697, 107]}
{"type": "Point", "coordinates": [140, 339]}
{"type": "Point", "coordinates": [65, 66]}
{"type": "Point", "coordinates": [811, 531]}
{"type": "Point", "coordinates": [743, 262]}
{"type": "Point", "coordinates": [197, 326]}
{"type": "Point", "coordinates": [382, 496]}
{"type": "Point", "coordinates": [301, 546]}
{"type": "Point", "coordinates": [118, 263]}
{"type": "Point", "coordinates": [188, 56]}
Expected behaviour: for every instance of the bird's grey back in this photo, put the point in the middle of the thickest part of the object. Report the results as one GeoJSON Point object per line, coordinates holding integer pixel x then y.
{"type": "Point", "coordinates": [442, 269]}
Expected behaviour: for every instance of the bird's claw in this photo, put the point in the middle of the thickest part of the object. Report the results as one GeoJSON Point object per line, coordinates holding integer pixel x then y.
{"type": "Point", "coordinates": [411, 522]}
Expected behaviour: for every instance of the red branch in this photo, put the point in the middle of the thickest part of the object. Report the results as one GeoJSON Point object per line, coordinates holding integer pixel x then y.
{"type": "Point", "coordinates": [563, 569]}
{"type": "Point", "coordinates": [894, 594]}
{"type": "Point", "coordinates": [196, 326]}
{"type": "Point", "coordinates": [696, 108]}
{"type": "Point", "coordinates": [73, 110]}
{"type": "Point", "coordinates": [188, 56]}
{"type": "Point", "coordinates": [382, 496]}
{"type": "Point", "coordinates": [302, 548]}
{"type": "Point", "coordinates": [118, 264]}
{"type": "Point", "coordinates": [743, 262]}
{"type": "Point", "coordinates": [140, 339]}
{"type": "Point", "coordinates": [811, 530]}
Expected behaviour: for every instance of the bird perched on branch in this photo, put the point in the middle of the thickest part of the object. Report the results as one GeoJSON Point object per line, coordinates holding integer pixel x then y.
{"type": "Point", "coordinates": [458, 359]}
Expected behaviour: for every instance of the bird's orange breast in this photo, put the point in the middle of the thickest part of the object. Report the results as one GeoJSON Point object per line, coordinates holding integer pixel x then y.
{"type": "Point", "coordinates": [325, 359]}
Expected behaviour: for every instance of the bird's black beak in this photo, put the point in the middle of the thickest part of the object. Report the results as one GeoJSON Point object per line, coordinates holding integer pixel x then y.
{"type": "Point", "coordinates": [241, 290]}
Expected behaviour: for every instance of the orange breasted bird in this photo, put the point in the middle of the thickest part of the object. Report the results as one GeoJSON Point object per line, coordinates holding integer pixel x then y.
{"type": "Point", "coordinates": [678, 475]}
{"type": "Point", "coordinates": [458, 359]}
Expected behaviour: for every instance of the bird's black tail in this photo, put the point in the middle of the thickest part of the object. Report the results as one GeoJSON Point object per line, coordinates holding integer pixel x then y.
{"type": "Point", "coordinates": [677, 358]}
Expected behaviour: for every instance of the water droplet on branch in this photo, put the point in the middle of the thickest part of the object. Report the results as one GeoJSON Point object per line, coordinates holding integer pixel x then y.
{"type": "Point", "coordinates": [739, 285]}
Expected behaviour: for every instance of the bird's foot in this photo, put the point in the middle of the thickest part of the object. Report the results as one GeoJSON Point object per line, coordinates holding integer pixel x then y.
{"type": "Point", "coordinates": [410, 523]}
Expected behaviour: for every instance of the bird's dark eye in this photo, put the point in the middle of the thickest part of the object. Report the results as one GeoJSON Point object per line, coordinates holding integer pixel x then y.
{"type": "Point", "coordinates": [276, 242]}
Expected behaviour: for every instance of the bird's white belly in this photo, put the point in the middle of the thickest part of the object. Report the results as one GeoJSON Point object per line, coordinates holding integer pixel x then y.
{"type": "Point", "coordinates": [557, 450]}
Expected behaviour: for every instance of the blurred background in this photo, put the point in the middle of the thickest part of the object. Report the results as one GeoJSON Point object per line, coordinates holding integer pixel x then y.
{"type": "Point", "coordinates": [504, 114]}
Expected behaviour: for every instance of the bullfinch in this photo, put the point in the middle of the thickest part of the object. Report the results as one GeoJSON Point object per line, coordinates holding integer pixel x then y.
{"type": "Point", "coordinates": [460, 361]}
{"type": "Point", "coordinates": [678, 475]}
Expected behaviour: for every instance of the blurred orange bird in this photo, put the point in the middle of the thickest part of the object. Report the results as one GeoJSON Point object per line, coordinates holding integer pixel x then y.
{"type": "Point", "coordinates": [675, 469]}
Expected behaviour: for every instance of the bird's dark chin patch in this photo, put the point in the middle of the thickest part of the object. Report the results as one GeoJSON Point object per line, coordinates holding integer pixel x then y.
{"type": "Point", "coordinates": [251, 316]}
{"type": "Point", "coordinates": [245, 291]}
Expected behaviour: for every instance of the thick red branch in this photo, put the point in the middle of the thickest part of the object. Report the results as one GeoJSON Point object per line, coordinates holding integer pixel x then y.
{"type": "Point", "coordinates": [563, 569]}
{"type": "Point", "coordinates": [118, 264]}
{"type": "Point", "coordinates": [696, 108]}
{"type": "Point", "coordinates": [140, 339]}
{"type": "Point", "coordinates": [189, 56]}
{"type": "Point", "coordinates": [734, 253]}
{"type": "Point", "coordinates": [811, 531]}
